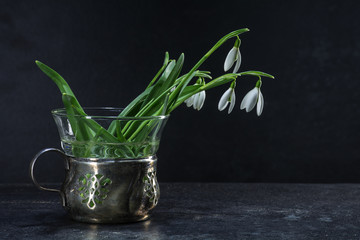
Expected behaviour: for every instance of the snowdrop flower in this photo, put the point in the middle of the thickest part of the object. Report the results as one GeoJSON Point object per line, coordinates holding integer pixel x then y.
{"type": "Point", "coordinates": [252, 98]}
{"type": "Point", "coordinates": [197, 100]}
{"type": "Point", "coordinates": [190, 101]}
{"type": "Point", "coordinates": [226, 98]}
{"type": "Point", "coordinates": [232, 57]}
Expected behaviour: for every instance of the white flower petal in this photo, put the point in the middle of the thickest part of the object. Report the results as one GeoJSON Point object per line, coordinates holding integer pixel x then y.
{"type": "Point", "coordinates": [250, 100]}
{"type": "Point", "coordinates": [201, 100]}
{"type": "Point", "coordinates": [190, 101]}
{"type": "Point", "coordinates": [222, 106]}
{"type": "Point", "coordinates": [232, 102]}
{"type": "Point", "coordinates": [230, 59]}
{"type": "Point", "coordinates": [224, 100]}
{"type": "Point", "coordinates": [196, 99]}
{"type": "Point", "coordinates": [260, 104]}
{"type": "Point", "coordinates": [238, 61]}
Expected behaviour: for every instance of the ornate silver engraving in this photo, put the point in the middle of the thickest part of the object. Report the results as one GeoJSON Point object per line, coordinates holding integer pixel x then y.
{"type": "Point", "coordinates": [151, 188]}
{"type": "Point", "coordinates": [93, 189]}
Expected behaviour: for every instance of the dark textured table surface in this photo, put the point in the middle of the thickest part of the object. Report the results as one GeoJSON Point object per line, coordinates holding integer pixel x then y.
{"type": "Point", "coordinates": [198, 211]}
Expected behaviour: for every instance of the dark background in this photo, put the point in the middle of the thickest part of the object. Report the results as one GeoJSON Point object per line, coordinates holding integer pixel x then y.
{"type": "Point", "coordinates": [108, 51]}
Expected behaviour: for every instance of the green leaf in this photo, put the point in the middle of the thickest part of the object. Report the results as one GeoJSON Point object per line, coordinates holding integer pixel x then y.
{"type": "Point", "coordinates": [158, 86]}
{"type": "Point", "coordinates": [80, 130]}
{"type": "Point", "coordinates": [188, 92]}
{"type": "Point", "coordinates": [135, 105]}
{"type": "Point", "coordinates": [203, 74]}
{"type": "Point", "coordinates": [155, 98]}
{"type": "Point", "coordinates": [58, 80]}
{"type": "Point", "coordinates": [165, 105]}
{"type": "Point", "coordinates": [219, 81]}
{"type": "Point", "coordinates": [165, 82]}
{"type": "Point", "coordinates": [174, 73]}
{"type": "Point", "coordinates": [69, 100]}
{"type": "Point", "coordinates": [178, 90]}
{"type": "Point", "coordinates": [118, 132]}
{"type": "Point", "coordinates": [257, 73]}
{"type": "Point", "coordinates": [139, 136]}
{"type": "Point", "coordinates": [132, 108]}
{"type": "Point", "coordinates": [166, 61]}
{"type": "Point", "coordinates": [90, 123]}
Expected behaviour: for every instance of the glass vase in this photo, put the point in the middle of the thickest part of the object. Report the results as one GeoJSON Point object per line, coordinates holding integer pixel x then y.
{"type": "Point", "coordinates": [110, 164]}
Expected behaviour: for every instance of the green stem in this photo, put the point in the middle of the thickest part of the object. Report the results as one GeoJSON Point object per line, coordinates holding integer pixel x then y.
{"type": "Point", "coordinates": [166, 61]}
{"type": "Point", "coordinates": [177, 92]}
{"type": "Point", "coordinates": [119, 133]}
{"type": "Point", "coordinates": [92, 143]}
{"type": "Point", "coordinates": [217, 45]}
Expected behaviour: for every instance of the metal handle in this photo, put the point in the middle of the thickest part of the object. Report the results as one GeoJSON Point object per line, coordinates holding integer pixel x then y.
{"type": "Point", "coordinates": [32, 164]}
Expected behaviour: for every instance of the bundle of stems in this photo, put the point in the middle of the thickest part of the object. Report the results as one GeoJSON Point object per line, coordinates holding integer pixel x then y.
{"type": "Point", "coordinates": [165, 92]}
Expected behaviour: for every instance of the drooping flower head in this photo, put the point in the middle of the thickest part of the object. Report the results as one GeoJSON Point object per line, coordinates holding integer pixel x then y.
{"type": "Point", "coordinates": [252, 98]}
{"type": "Point", "coordinates": [228, 97]}
{"type": "Point", "coordinates": [197, 100]}
{"type": "Point", "coordinates": [233, 56]}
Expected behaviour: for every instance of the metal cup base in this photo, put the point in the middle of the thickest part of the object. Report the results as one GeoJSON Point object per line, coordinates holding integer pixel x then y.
{"type": "Point", "coordinates": [107, 190]}
{"type": "Point", "coordinates": [110, 191]}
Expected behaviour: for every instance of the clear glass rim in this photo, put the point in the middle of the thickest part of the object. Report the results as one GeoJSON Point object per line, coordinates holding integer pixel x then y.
{"type": "Point", "coordinates": [61, 112]}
